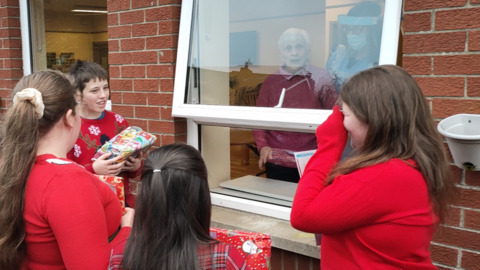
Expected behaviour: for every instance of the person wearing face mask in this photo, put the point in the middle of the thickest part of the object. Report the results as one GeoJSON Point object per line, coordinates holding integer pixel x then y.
{"type": "Point", "coordinates": [362, 28]}
{"type": "Point", "coordinates": [306, 86]}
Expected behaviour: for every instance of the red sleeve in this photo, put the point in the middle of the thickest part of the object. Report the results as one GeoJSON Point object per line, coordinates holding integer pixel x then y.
{"type": "Point", "coordinates": [235, 260]}
{"type": "Point", "coordinates": [346, 203]}
{"type": "Point", "coordinates": [76, 214]}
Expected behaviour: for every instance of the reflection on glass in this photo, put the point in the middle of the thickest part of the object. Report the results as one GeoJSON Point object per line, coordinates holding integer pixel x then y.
{"type": "Point", "coordinates": [237, 46]}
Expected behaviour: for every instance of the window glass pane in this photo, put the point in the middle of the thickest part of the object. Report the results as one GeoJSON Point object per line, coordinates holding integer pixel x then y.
{"type": "Point", "coordinates": [232, 156]}
{"type": "Point", "coordinates": [66, 30]}
{"type": "Point", "coordinates": [278, 53]}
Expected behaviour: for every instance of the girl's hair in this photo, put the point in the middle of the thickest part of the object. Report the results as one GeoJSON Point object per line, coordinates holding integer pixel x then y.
{"type": "Point", "coordinates": [172, 215]}
{"type": "Point", "coordinates": [401, 126]}
{"type": "Point", "coordinates": [85, 71]}
{"type": "Point", "coordinates": [21, 132]}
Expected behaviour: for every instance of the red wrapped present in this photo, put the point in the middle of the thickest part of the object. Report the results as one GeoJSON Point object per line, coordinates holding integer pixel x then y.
{"type": "Point", "coordinates": [256, 248]}
{"type": "Point", "coordinates": [116, 184]}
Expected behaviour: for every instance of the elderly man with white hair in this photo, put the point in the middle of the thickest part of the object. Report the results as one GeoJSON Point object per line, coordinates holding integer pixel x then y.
{"type": "Point", "coordinates": [296, 84]}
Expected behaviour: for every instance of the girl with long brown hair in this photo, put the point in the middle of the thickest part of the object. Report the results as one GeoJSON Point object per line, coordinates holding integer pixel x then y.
{"type": "Point", "coordinates": [377, 209]}
{"type": "Point", "coordinates": [53, 213]}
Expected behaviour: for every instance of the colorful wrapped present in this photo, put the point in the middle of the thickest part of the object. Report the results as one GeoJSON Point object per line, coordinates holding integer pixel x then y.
{"type": "Point", "coordinates": [256, 248]}
{"type": "Point", "coordinates": [116, 184]}
{"type": "Point", "coordinates": [130, 142]}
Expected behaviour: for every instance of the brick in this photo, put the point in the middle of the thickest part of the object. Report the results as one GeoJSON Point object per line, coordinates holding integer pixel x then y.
{"type": "Point", "coordinates": [119, 31]}
{"type": "Point", "coordinates": [472, 178]}
{"type": "Point", "coordinates": [448, 153]}
{"type": "Point", "coordinates": [138, 123]}
{"type": "Point", "coordinates": [9, 12]}
{"type": "Point", "coordinates": [472, 219]}
{"type": "Point", "coordinates": [157, 71]}
{"type": "Point", "coordinates": [13, 63]}
{"type": "Point", "coordinates": [468, 198]}
{"type": "Point", "coordinates": [10, 32]}
{"type": "Point", "coordinates": [9, 3]}
{"type": "Point", "coordinates": [432, 4]}
{"type": "Point", "coordinates": [133, 71]}
{"type": "Point", "coordinates": [166, 113]}
{"type": "Point", "coordinates": [438, 42]}
{"type": "Point", "coordinates": [456, 173]}
{"type": "Point", "coordinates": [116, 97]}
{"type": "Point", "coordinates": [147, 112]}
{"type": "Point", "coordinates": [135, 98]}
{"type": "Point", "coordinates": [125, 111]}
{"type": "Point", "coordinates": [121, 85]}
{"type": "Point", "coordinates": [442, 86]}
{"type": "Point", "coordinates": [169, 139]}
{"type": "Point", "coordinates": [456, 64]}
{"type": "Point", "coordinates": [118, 5]}
{"type": "Point", "coordinates": [112, 19]}
{"type": "Point", "coordinates": [11, 53]}
{"type": "Point", "coordinates": [143, 3]}
{"type": "Point", "coordinates": [470, 260]}
{"type": "Point", "coordinates": [169, 56]}
{"type": "Point", "coordinates": [12, 43]}
{"type": "Point", "coordinates": [145, 57]}
{"type": "Point", "coordinates": [417, 65]}
{"type": "Point", "coordinates": [453, 217]}
{"type": "Point", "coordinates": [303, 262]}
{"type": "Point", "coordinates": [114, 72]}
{"type": "Point", "coordinates": [5, 94]}
{"type": "Point", "coordinates": [11, 73]}
{"type": "Point", "coordinates": [144, 29]}
{"type": "Point", "coordinates": [474, 40]}
{"type": "Point", "coordinates": [1, 63]}
{"type": "Point", "coordinates": [113, 46]}
{"type": "Point", "coordinates": [132, 44]}
{"type": "Point", "coordinates": [417, 22]}
{"type": "Point", "coordinates": [180, 126]}
{"type": "Point", "coordinates": [168, 27]}
{"type": "Point", "coordinates": [161, 126]}
{"type": "Point", "coordinates": [146, 85]}
{"type": "Point", "coordinates": [443, 108]}
{"type": "Point", "coordinates": [443, 255]}
{"type": "Point", "coordinates": [10, 22]}
{"type": "Point", "coordinates": [473, 86]}
{"type": "Point", "coordinates": [160, 99]}
{"type": "Point", "coordinates": [457, 19]}
{"type": "Point", "coordinates": [164, 2]}
{"type": "Point", "coordinates": [119, 58]}
{"type": "Point", "coordinates": [162, 13]}
{"type": "Point", "coordinates": [457, 238]}
{"type": "Point", "coordinates": [474, 1]}
{"type": "Point", "coordinates": [166, 85]}
{"type": "Point", "coordinates": [162, 42]}
{"type": "Point", "coordinates": [136, 16]}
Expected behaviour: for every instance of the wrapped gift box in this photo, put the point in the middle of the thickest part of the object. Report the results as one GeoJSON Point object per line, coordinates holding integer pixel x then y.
{"type": "Point", "coordinates": [116, 184]}
{"type": "Point", "coordinates": [130, 142]}
{"type": "Point", "coordinates": [256, 248]}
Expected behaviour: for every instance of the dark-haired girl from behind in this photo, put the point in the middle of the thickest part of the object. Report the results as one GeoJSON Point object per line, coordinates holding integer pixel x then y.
{"type": "Point", "coordinates": [172, 218]}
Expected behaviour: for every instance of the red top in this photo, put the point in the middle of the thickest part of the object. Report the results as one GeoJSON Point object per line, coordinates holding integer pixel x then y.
{"type": "Point", "coordinates": [378, 217]}
{"type": "Point", "coordinates": [217, 256]}
{"type": "Point", "coordinates": [69, 215]}
{"type": "Point", "coordinates": [93, 134]}
{"type": "Point", "coordinates": [310, 88]}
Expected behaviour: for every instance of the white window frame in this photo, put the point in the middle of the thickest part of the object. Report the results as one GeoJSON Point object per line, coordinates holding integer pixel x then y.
{"type": "Point", "coordinates": [299, 120]}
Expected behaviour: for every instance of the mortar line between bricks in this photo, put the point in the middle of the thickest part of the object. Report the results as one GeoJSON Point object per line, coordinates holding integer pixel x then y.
{"type": "Point", "coordinates": [467, 187]}
{"type": "Point", "coordinates": [455, 98]}
{"type": "Point", "coordinates": [410, 33]}
{"type": "Point", "coordinates": [440, 9]}
{"type": "Point", "coordinates": [462, 229]}
{"type": "Point", "coordinates": [466, 208]}
{"type": "Point", "coordinates": [455, 247]}
{"type": "Point", "coordinates": [459, 258]}
{"type": "Point", "coordinates": [442, 54]}
{"type": "Point", "coordinates": [462, 218]}
{"type": "Point", "coordinates": [446, 76]}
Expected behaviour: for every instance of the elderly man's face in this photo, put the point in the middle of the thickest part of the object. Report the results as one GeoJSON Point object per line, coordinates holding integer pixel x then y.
{"type": "Point", "coordinates": [294, 54]}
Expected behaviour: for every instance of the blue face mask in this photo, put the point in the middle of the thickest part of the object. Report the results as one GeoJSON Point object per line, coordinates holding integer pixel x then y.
{"type": "Point", "coordinates": [357, 42]}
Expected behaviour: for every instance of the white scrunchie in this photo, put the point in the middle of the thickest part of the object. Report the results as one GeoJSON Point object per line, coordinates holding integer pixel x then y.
{"type": "Point", "coordinates": [32, 95]}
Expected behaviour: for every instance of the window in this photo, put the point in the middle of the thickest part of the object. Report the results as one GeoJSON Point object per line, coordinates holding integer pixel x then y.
{"type": "Point", "coordinates": [271, 66]}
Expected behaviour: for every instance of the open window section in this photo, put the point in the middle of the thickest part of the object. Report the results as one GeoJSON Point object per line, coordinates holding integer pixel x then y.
{"type": "Point", "coordinates": [271, 66]}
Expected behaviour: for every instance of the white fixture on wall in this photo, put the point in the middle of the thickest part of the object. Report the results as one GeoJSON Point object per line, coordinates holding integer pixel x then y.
{"type": "Point", "coordinates": [463, 137]}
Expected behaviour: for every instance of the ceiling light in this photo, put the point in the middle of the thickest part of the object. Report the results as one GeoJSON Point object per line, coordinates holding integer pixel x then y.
{"type": "Point", "coordinates": [87, 9]}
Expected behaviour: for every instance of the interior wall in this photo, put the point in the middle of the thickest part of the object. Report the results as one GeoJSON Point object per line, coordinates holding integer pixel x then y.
{"type": "Point", "coordinates": [78, 43]}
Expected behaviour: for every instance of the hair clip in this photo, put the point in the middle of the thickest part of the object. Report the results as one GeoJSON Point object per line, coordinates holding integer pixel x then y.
{"type": "Point", "coordinates": [156, 170]}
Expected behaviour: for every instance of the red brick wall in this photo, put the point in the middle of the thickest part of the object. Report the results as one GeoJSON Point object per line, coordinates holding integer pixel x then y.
{"type": "Point", "coordinates": [10, 50]}
{"type": "Point", "coordinates": [441, 49]}
{"type": "Point", "coordinates": [142, 50]}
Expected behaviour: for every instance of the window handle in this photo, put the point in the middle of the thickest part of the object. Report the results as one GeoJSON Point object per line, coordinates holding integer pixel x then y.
{"type": "Point", "coordinates": [280, 101]}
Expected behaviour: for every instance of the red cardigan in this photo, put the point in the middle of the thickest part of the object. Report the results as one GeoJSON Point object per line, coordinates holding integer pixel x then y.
{"type": "Point", "coordinates": [378, 217]}
{"type": "Point", "coordinates": [69, 215]}
{"type": "Point", "coordinates": [93, 134]}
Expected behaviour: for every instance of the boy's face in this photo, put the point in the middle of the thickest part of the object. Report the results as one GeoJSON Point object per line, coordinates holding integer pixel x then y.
{"type": "Point", "coordinates": [95, 96]}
